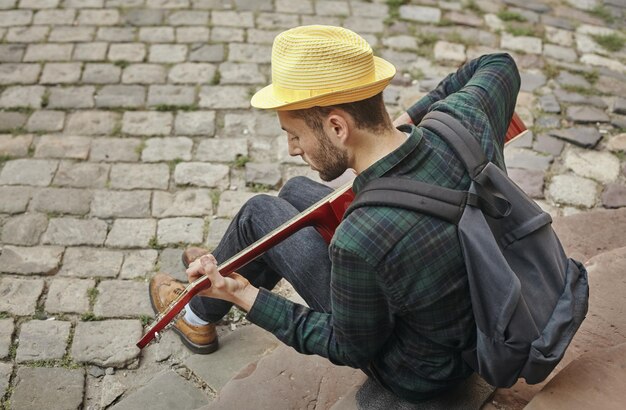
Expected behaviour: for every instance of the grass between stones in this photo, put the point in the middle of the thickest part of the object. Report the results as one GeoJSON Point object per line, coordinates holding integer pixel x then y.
{"type": "Point", "coordinates": [611, 42]}
{"type": "Point", "coordinates": [603, 13]}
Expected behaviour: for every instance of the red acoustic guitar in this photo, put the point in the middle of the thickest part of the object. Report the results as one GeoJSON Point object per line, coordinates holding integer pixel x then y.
{"type": "Point", "coordinates": [325, 216]}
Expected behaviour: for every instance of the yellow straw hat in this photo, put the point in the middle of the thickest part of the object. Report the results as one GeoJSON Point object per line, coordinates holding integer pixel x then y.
{"type": "Point", "coordinates": [321, 66]}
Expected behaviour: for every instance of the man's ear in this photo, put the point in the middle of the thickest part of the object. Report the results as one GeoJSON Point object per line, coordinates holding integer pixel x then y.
{"type": "Point", "coordinates": [339, 125]}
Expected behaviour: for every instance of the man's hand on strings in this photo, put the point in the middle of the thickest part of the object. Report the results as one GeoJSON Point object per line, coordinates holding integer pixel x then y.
{"type": "Point", "coordinates": [233, 288]}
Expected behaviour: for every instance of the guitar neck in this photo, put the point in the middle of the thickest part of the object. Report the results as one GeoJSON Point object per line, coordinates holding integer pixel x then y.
{"type": "Point", "coordinates": [324, 215]}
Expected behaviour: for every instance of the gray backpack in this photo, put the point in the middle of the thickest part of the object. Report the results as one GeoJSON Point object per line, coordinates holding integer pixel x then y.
{"type": "Point", "coordinates": [528, 297]}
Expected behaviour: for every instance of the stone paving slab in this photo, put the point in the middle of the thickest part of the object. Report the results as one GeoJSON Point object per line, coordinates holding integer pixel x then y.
{"type": "Point", "coordinates": [68, 295]}
{"type": "Point", "coordinates": [237, 349]}
{"type": "Point", "coordinates": [31, 260]}
{"type": "Point", "coordinates": [596, 379]}
{"type": "Point", "coordinates": [108, 343]}
{"type": "Point", "coordinates": [166, 391]}
{"type": "Point", "coordinates": [42, 340]}
{"type": "Point", "coordinates": [19, 296]}
{"type": "Point", "coordinates": [117, 298]}
{"type": "Point", "coordinates": [5, 374]}
{"type": "Point", "coordinates": [277, 381]}
{"type": "Point", "coordinates": [6, 333]}
{"type": "Point", "coordinates": [63, 387]}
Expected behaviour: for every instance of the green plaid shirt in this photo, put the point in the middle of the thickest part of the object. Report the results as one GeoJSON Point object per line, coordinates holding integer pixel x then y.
{"type": "Point", "coordinates": [399, 294]}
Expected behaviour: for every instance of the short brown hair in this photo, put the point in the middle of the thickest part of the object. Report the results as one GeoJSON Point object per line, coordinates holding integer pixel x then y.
{"type": "Point", "coordinates": [368, 114]}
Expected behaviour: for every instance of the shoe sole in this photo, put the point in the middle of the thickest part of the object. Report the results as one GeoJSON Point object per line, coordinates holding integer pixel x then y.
{"type": "Point", "coordinates": [195, 348]}
{"type": "Point", "coordinates": [184, 260]}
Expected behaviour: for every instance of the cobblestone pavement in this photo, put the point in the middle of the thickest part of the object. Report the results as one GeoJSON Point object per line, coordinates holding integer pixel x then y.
{"type": "Point", "coordinates": [127, 133]}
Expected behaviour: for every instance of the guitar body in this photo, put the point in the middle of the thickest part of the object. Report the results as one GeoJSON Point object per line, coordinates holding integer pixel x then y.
{"type": "Point", "coordinates": [325, 216]}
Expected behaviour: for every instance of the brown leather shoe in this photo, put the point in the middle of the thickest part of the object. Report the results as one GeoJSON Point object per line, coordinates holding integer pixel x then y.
{"type": "Point", "coordinates": [199, 339]}
{"type": "Point", "coordinates": [192, 253]}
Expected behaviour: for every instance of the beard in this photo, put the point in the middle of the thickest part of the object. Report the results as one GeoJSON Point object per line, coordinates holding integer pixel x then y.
{"type": "Point", "coordinates": [331, 162]}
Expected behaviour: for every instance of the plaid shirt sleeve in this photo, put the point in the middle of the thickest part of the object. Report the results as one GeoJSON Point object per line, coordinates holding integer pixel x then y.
{"type": "Point", "coordinates": [489, 83]}
{"type": "Point", "coordinates": [356, 330]}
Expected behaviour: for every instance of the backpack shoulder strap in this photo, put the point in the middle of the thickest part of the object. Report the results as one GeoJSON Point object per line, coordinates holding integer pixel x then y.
{"type": "Point", "coordinates": [465, 146]}
{"type": "Point", "coordinates": [443, 203]}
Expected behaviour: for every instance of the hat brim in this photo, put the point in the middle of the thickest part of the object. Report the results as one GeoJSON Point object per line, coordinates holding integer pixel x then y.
{"type": "Point", "coordinates": [383, 73]}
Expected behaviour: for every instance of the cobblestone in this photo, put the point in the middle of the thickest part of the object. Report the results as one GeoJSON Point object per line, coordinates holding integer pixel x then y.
{"type": "Point", "coordinates": [156, 34]}
{"type": "Point", "coordinates": [63, 387]}
{"type": "Point", "coordinates": [91, 263]}
{"type": "Point", "coordinates": [131, 52]}
{"type": "Point", "coordinates": [188, 202]}
{"type": "Point", "coordinates": [167, 149]}
{"type": "Point", "coordinates": [201, 174]}
{"type": "Point", "coordinates": [31, 260]}
{"type": "Point", "coordinates": [221, 150]}
{"type": "Point", "coordinates": [192, 34]}
{"type": "Point", "coordinates": [614, 196]}
{"type": "Point", "coordinates": [72, 232]}
{"type": "Point", "coordinates": [68, 295]}
{"type": "Point", "coordinates": [6, 331]}
{"type": "Point", "coordinates": [72, 97]}
{"type": "Point", "coordinates": [232, 18]}
{"type": "Point", "coordinates": [224, 97]}
{"type": "Point", "coordinates": [42, 340]}
{"type": "Point", "coordinates": [55, 17]}
{"type": "Point", "coordinates": [167, 53]}
{"type": "Point", "coordinates": [131, 233]}
{"type": "Point", "coordinates": [19, 73]}
{"type": "Point", "coordinates": [70, 34]}
{"type": "Point", "coordinates": [11, 53]}
{"type": "Point", "coordinates": [122, 298]}
{"type": "Point", "coordinates": [21, 97]}
{"type": "Point", "coordinates": [600, 166]}
{"type": "Point", "coordinates": [573, 190]}
{"type": "Point", "coordinates": [586, 137]}
{"type": "Point", "coordinates": [147, 123]}
{"type": "Point", "coordinates": [24, 229]}
{"type": "Point", "coordinates": [192, 73]}
{"type": "Point", "coordinates": [171, 95]}
{"type": "Point", "coordinates": [15, 145]}
{"type": "Point", "coordinates": [19, 296]}
{"type": "Point", "coordinates": [240, 73]}
{"type": "Point", "coordinates": [185, 230]}
{"type": "Point", "coordinates": [128, 96]}
{"type": "Point", "coordinates": [37, 172]}
{"type": "Point", "coordinates": [92, 122]}
{"type": "Point", "coordinates": [195, 123]}
{"type": "Point", "coordinates": [90, 51]}
{"type": "Point", "coordinates": [54, 146]}
{"type": "Point", "coordinates": [144, 74]}
{"type": "Point", "coordinates": [60, 73]}
{"type": "Point", "coordinates": [145, 176]}
{"type": "Point", "coordinates": [11, 121]}
{"type": "Point", "coordinates": [121, 204]}
{"type": "Point", "coordinates": [101, 73]}
{"type": "Point", "coordinates": [14, 199]}
{"type": "Point", "coordinates": [109, 343]}
{"type": "Point", "coordinates": [139, 264]}
{"type": "Point", "coordinates": [46, 121]}
{"type": "Point", "coordinates": [81, 175]}
{"type": "Point", "coordinates": [210, 53]}
{"type": "Point", "coordinates": [62, 201]}
{"type": "Point", "coordinates": [115, 149]}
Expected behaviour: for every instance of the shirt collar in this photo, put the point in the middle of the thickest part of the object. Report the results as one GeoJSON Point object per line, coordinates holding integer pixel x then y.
{"type": "Point", "coordinates": [385, 164]}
